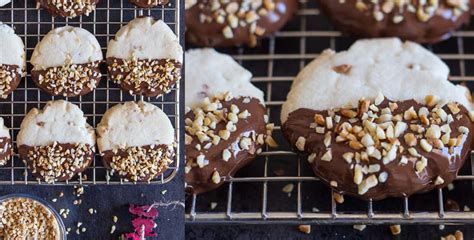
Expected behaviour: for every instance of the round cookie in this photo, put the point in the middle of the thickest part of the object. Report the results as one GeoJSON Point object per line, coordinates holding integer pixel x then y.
{"type": "Point", "coordinates": [226, 121]}
{"type": "Point", "coordinates": [56, 142]}
{"type": "Point", "coordinates": [66, 62]}
{"type": "Point", "coordinates": [6, 149]}
{"type": "Point", "coordinates": [4, 2]}
{"type": "Point", "coordinates": [68, 8]}
{"type": "Point", "coordinates": [12, 60]}
{"type": "Point", "coordinates": [217, 23]}
{"type": "Point", "coordinates": [419, 21]}
{"type": "Point", "coordinates": [149, 3]}
{"type": "Point", "coordinates": [145, 57]}
{"type": "Point", "coordinates": [380, 120]}
{"type": "Point", "coordinates": [136, 141]}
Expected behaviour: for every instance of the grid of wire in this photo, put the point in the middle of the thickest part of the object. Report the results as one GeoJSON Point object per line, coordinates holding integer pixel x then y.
{"type": "Point", "coordinates": [31, 25]}
{"type": "Point", "coordinates": [259, 200]}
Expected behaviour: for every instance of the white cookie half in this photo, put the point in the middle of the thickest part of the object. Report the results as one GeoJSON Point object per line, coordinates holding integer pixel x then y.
{"type": "Point", "coordinates": [399, 70]}
{"type": "Point", "coordinates": [12, 49]}
{"type": "Point", "coordinates": [4, 2]}
{"type": "Point", "coordinates": [145, 38]}
{"type": "Point", "coordinates": [4, 131]}
{"type": "Point", "coordinates": [209, 73]}
{"type": "Point", "coordinates": [134, 124]}
{"type": "Point", "coordinates": [66, 45]}
{"type": "Point", "coordinates": [59, 121]}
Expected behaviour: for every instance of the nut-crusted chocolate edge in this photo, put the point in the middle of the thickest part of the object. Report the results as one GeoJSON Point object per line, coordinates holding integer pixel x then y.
{"type": "Point", "coordinates": [417, 154]}
{"type": "Point", "coordinates": [32, 154]}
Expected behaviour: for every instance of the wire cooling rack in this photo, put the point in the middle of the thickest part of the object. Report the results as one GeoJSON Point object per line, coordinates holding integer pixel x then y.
{"type": "Point", "coordinates": [255, 196]}
{"type": "Point", "coordinates": [31, 25]}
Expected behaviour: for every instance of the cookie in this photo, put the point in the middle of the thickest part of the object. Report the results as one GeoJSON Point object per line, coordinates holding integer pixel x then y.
{"type": "Point", "coordinates": [4, 2]}
{"type": "Point", "coordinates": [56, 142]}
{"type": "Point", "coordinates": [149, 3]}
{"type": "Point", "coordinates": [12, 60]}
{"type": "Point", "coordinates": [68, 8]}
{"type": "Point", "coordinates": [379, 120]}
{"type": "Point", "coordinates": [66, 62]}
{"type": "Point", "coordinates": [226, 122]}
{"type": "Point", "coordinates": [145, 57]}
{"type": "Point", "coordinates": [6, 149]}
{"type": "Point", "coordinates": [136, 141]}
{"type": "Point", "coordinates": [419, 21]}
{"type": "Point", "coordinates": [217, 23]}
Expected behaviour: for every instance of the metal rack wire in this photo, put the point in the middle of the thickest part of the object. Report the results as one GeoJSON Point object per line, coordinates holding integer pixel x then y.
{"type": "Point", "coordinates": [31, 25]}
{"type": "Point", "coordinates": [254, 195]}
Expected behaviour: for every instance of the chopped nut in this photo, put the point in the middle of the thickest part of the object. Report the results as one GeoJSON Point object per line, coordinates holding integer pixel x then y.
{"type": "Point", "coordinates": [439, 180]}
{"type": "Point", "coordinates": [425, 145]}
{"type": "Point", "coordinates": [311, 157]}
{"type": "Point", "coordinates": [431, 100]}
{"type": "Point", "coordinates": [395, 229]}
{"type": "Point", "coordinates": [358, 176]}
{"type": "Point", "coordinates": [216, 178]}
{"type": "Point", "coordinates": [359, 227]}
{"type": "Point", "coordinates": [410, 139]}
{"type": "Point", "coordinates": [367, 184]}
{"type": "Point", "coordinates": [305, 229]}
{"type": "Point", "coordinates": [342, 69]}
{"type": "Point", "coordinates": [338, 197]}
{"type": "Point", "coordinates": [300, 143]}
{"type": "Point", "coordinates": [348, 113]}
{"type": "Point", "coordinates": [226, 155]}
{"type": "Point", "coordinates": [319, 119]}
{"type": "Point", "coordinates": [355, 145]}
{"type": "Point", "coordinates": [327, 156]}
{"type": "Point", "coordinates": [288, 188]}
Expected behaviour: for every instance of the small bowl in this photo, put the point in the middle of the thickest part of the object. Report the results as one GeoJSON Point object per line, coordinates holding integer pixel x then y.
{"type": "Point", "coordinates": [45, 204]}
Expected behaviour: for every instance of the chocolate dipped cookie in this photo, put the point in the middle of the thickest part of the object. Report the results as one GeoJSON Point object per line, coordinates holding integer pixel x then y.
{"type": "Point", "coordinates": [56, 143]}
{"type": "Point", "coordinates": [419, 21]}
{"type": "Point", "coordinates": [145, 57]}
{"type": "Point", "coordinates": [226, 121]}
{"type": "Point", "coordinates": [149, 3]}
{"type": "Point", "coordinates": [66, 62]}
{"type": "Point", "coordinates": [136, 141]}
{"type": "Point", "coordinates": [68, 8]}
{"type": "Point", "coordinates": [12, 60]}
{"type": "Point", "coordinates": [6, 148]}
{"type": "Point", "coordinates": [379, 120]}
{"type": "Point", "coordinates": [215, 23]}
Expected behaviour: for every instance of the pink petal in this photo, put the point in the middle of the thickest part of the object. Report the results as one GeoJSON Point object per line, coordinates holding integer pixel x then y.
{"type": "Point", "coordinates": [142, 211]}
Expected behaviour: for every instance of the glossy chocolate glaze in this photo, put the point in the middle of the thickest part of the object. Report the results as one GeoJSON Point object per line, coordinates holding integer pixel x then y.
{"type": "Point", "coordinates": [5, 150]}
{"type": "Point", "coordinates": [359, 23]}
{"type": "Point", "coordinates": [164, 80]}
{"type": "Point", "coordinates": [402, 179]}
{"type": "Point", "coordinates": [199, 180]}
{"type": "Point", "coordinates": [14, 73]}
{"type": "Point", "coordinates": [149, 3]}
{"type": "Point", "coordinates": [23, 150]}
{"type": "Point", "coordinates": [210, 34]}
{"type": "Point", "coordinates": [55, 11]}
{"type": "Point", "coordinates": [108, 155]}
{"type": "Point", "coordinates": [93, 74]}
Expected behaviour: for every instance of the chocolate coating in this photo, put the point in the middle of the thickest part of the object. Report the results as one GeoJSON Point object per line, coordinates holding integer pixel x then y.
{"type": "Point", "coordinates": [149, 3]}
{"type": "Point", "coordinates": [10, 77]}
{"type": "Point", "coordinates": [68, 8]}
{"type": "Point", "coordinates": [141, 171]}
{"type": "Point", "coordinates": [199, 180]}
{"type": "Point", "coordinates": [205, 28]}
{"type": "Point", "coordinates": [5, 150]}
{"type": "Point", "coordinates": [87, 77]}
{"type": "Point", "coordinates": [402, 179]}
{"type": "Point", "coordinates": [149, 78]}
{"type": "Point", "coordinates": [46, 171]}
{"type": "Point", "coordinates": [404, 23]}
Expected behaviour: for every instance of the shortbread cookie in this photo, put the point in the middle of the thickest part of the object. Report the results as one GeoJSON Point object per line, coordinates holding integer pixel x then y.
{"type": "Point", "coordinates": [136, 141]}
{"type": "Point", "coordinates": [68, 8]}
{"type": "Point", "coordinates": [226, 121]}
{"type": "Point", "coordinates": [12, 60]}
{"type": "Point", "coordinates": [4, 2]}
{"type": "Point", "coordinates": [215, 23]}
{"type": "Point", "coordinates": [66, 62]}
{"type": "Point", "coordinates": [420, 21]}
{"type": "Point", "coordinates": [6, 148]}
{"type": "Point", "coordinates": [145, 57]}
{"type": "Point", "coordinates": [379, 120]}
{"type": "Point", "coordinates": [149, 3]}
{"type": "Point", "coordinates": [56, 142]}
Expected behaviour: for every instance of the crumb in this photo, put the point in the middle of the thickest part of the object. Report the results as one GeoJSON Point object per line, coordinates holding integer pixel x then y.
{"type": "Point", "coordinates": [91, 211]}
{"type": "Point", "coordinates": [395, 229]}
{"type": "Point", "coordinates": [450, 187]}
{"type": "Point", "coordinates": [213, 205]}
{"type": "Point", "coordinates": [288, 188]}
{"type": "Point", "coordinates": [54, 200]}
{"type": "Point", "coordinates": [112, 229]}
{"type": "Point", "coordinates": [466, 208]}
{"type": "Point", "coordinates": [164, 192]}
{"type": "Point", "coordinates": [359, 227]}
{"type": "Point", "coordinates": [315, 209]}
{"type": "Point", "coordinates": [305, 229]}
{"type": "Point", "coordinates": [114, 219]}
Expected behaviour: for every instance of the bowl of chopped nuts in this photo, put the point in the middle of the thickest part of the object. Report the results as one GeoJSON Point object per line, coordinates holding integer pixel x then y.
{"type": "Point", "coordinates": [25, 216]}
